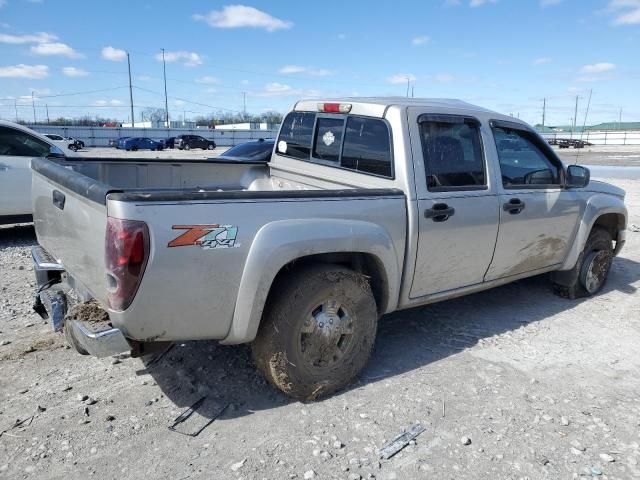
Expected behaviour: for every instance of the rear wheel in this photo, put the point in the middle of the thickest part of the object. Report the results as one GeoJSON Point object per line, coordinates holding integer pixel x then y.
{"type": "Point", "coordinates": [317, 332]}
{"type": "Point", "coordinates": [187, 147]}
{"type": "Point", "coordinates": [210, 147]}
{"type": "Point", "coordinates": [590, 273]}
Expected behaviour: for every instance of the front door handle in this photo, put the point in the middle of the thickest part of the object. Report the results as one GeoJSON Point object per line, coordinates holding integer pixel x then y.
{"type": "Point", "coordinates": [440, 212]}
{"type": "Point", "coordinates": [513, 206]}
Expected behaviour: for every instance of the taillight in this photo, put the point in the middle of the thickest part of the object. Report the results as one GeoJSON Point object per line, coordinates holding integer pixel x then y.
{"type": "Point", "coordinates": [126, 254]}
{"type": "Point", "coordinates": [334, 107]}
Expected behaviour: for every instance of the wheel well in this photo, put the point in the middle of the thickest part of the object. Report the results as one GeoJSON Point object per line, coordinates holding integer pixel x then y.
{"type": "Point", "coordinates": [364, 263]}
{"type": "Point", "coordinates": [611, 222]}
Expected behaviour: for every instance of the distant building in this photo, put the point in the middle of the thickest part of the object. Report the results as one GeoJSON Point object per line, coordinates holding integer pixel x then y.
{"type": "Point", "coordinates": [248, 126]}
{"type": "Point", "coordinates": [161, 124]}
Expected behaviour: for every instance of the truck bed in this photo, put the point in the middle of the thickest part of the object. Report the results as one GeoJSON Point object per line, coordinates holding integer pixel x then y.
{"type": "Point", "coordinates": [73, 199]}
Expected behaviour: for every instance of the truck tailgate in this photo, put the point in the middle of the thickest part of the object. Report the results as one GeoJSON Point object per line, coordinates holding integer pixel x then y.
{"type": "Point", "coordinates": [70, 216]}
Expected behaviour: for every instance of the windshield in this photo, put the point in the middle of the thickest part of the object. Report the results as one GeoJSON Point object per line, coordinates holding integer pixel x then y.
{"type": "Point", "coordinates": [250, 150]}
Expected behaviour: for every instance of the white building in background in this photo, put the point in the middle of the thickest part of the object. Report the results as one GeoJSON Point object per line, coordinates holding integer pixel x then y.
{"type": "Point", "coordinates": [247, 126]}
{"type": "Point", "coordinates": [161, 124]}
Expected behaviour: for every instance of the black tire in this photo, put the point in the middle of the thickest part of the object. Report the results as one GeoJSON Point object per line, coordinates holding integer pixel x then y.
{"type": "Point", "coordinates": [211, 146]}
{"type": "Point", "coordinates": [135, 149]}
{"type": "Point", "coordinates": [590, 272]}
{"type": "Point", "coordinates": [187, 147]}
{"type": "Point", "coordinates": [338, 309]}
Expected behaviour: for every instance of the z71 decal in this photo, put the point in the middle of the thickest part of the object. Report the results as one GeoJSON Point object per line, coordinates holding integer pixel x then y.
{"type": "Point", "coordinates": [206, 236]}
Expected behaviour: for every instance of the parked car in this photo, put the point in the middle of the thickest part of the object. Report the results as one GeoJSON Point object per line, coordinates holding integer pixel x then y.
{"type": "Point", "coordinates": [564, 143]}
{"type": "Point", "coordinates": [367, 206]}
{"type": "Point", "coordinates": [114, 142]}
{"type": "Point", "coordinates": [169, 142]}
{"type": "Point", "coordinates": [69, 143]}
{"type": "Point", "coordinates": [79, 143]}
{"type": "Point", "coordinates": [187, 142]}
{"type": "Point", "coordinates": [256, 151]}
{"type": "Point", "coordinates": [141, 143]}
{"type": "Point", "coordinates": [553, 141]}
{"type": "Point", "coordinates": [18, 146]}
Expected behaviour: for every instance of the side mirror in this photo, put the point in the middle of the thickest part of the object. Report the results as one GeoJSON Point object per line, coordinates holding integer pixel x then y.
{"type": "Point", "coordinates": [577, 176]}
{"type": "Point", "coordinates": [55, 152]}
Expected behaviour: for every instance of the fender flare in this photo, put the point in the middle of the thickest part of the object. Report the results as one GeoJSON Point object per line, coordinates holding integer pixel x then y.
{"type": "Point", "coordinates": [279, 243]}
{"type": "Point", "coordinates": [596, 206]}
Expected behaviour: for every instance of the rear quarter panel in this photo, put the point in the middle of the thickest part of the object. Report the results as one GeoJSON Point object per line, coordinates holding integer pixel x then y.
{"type": "Point", "coordinates": [190, 292]}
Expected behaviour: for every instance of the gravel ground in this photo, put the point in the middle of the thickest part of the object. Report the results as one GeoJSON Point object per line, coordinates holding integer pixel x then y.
{"type": "Point", "coordinates": [509, 383]}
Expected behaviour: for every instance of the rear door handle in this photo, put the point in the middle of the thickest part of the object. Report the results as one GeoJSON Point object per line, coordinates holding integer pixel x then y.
{"type": "Point", "coordinates": [59, 199]}
{"type": "Point", "coordinates": [440, 212]}
{"type": "Point", "coordinates": [513, 206]}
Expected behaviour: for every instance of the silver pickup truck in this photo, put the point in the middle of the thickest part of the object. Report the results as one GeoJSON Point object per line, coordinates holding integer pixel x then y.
{"type": "Point", "coordinates": [367, 206]}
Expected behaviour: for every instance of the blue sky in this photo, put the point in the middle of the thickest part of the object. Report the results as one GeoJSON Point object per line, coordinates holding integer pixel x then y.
{"type": "Point", "coordinates": [506, 55]}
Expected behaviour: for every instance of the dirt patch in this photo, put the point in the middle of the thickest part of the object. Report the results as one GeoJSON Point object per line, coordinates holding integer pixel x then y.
{"type": "Point", "coordinates": [92, 314]}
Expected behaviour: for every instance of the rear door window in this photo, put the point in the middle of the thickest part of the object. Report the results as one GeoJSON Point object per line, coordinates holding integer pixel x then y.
{"type": "Point", "coordinates": [20, 144]}
{"type": "Point", "coordinates": [453, 154]}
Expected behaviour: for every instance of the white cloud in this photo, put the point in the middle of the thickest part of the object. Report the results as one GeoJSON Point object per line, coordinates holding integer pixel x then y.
{"type": "Point", "coordinates": [342, 36]}
{"type": "Point", "coordinates": [188, 59]}
{"type": "Point", "coordinates": [293, 69]}
{"type": "Point", "coordinates": [549, 3]}
{"type": "Point", "coordinates": [40, 37]}
{"type": "Point", "coordinates": [542, 60]}
{"type": "Point", "coordinates": [479, 3]}
{"type": "Point", "coordinates": [245, 82]}
{"type": "Point", "coordinates": [442, 78]}
{"type": "Point", "coordinates": [25, 71]}
{"type": "Point", "coordinates": [178, 103]}
{"type": "Point", "coordinates": [74, 72]}
{"type": "Point", "coordinates": [627, 12]}
{"type": "Point", "coordinates": [421, 40]}
{"type": "Point", "coordinates": [598, 67]}
{"type": "Point", "coordinates": [113, 54]}
{"type": "Point", "coordinates": [107, 103]}
{"type": "Point", "coordinates": [144, 78]}
{"type": "Point", "coordinates": [238, 16]}
{"type": "Point", "coordinates": [207, 80]}
{"type": "Point", "coordinates": [55, 48]}
{"type": "Point", "coordinates": [276, 89]}
{"type": "Point", "coordinates": [401, 78]}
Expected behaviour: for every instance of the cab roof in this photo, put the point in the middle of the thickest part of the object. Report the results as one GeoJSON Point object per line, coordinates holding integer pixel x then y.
{"type": "Point", "coordinates": [377, 106]}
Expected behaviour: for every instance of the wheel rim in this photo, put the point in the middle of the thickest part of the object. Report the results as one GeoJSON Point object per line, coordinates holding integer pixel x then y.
{"type": "Point", "coordinates": [327, 334]}
{"type": "Point", "coordinates": [595, 269]}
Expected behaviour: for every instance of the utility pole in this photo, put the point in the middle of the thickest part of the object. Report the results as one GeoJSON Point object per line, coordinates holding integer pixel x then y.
{"type": "Point", "coordinates": [33, 104]}
{"type": "Point", "coordinates": [575, 115]}
{"type": "Point", "coordinates": [133, 122]}
{"type": "Point", "coordinates": [244, 105]}
{"type": "Point", "coordinates": [15, 105]}
{"type": "Point", "coordinates": [411, 91]}
{"type": "Point", "coordinates": [408, 80]}
{"type": "Point", "coordinates": [544, 111]}
{"type": "Point", "coordinates": [620, 120]}
{"type": "Point", "coordinates": [166, 101]}
{"type": "Point", "coordinates": [47, 107]}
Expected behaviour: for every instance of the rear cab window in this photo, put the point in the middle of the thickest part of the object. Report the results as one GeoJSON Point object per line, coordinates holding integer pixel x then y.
{"type": "Point", "coordinates": [351, 142]}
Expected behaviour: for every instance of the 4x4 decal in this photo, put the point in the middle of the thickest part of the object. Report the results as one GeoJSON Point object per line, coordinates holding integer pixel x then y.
{"type": "Point", "coordinates": [206, 236]}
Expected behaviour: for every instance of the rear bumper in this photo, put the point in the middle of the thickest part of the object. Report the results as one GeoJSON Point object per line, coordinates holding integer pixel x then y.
{"type": "Point", "coordinates": [99, 344]}
{"type": "Point", "coordinates": [52, 302]}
